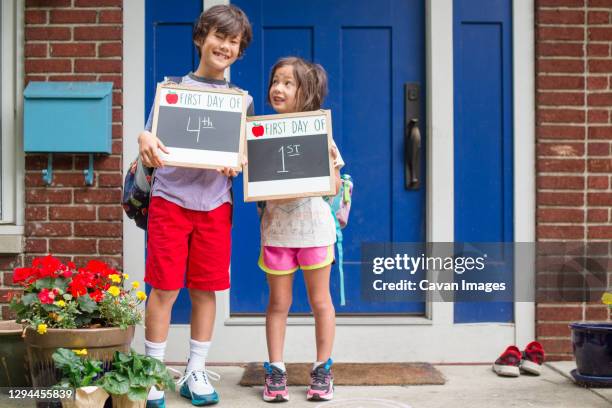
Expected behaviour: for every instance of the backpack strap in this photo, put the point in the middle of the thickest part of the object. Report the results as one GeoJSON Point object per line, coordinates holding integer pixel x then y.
{"type": "Point", "coordinates": [340, 257]}
{"type": "Point", "coordinates": [175, 79]}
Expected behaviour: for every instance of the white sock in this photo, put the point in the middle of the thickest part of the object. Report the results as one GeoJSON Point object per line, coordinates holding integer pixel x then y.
{"type": "Point", "coordinates": [197, 355]}
{"type": "Point", "coordinates": [279, 364]}
{"type": "Point", "coordinates": [316, 364]}
{"type": "Point", "coordinates": [158, 351]}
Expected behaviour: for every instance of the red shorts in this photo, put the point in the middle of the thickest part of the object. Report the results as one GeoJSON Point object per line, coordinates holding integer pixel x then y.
{"type": "Point", "coordinates": [195, 243]}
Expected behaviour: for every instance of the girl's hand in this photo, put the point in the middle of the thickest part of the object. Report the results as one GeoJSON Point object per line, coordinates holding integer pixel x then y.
{"type": "Point", "coordinates": [334, 154]}
{"type": "Point", "coordinates": [148, 146]}
{"type": "Point", "coordinates": [229, 172]}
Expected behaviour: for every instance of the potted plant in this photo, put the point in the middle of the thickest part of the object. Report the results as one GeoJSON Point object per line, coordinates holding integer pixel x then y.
{"type": "Point", "coordinates": [64, 306]}
{"type": "Point", "coordinates": [592, 346]}
{"type": "Point", "coordinates": [79, 374]}
{"type": "Point", "coordinates": [132, 376]}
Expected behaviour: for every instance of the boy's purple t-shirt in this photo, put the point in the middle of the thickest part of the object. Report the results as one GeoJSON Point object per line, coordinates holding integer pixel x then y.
{"type": "Point", "coordinates": [194, 189]}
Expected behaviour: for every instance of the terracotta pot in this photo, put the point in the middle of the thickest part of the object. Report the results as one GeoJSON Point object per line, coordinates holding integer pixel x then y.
{"type": "Point", "coordinates": [100, 343]}
{"type": "Point", "coordinates": [122, 401]}
{"type": "Point", "coordinates": [87, 397]}
{"type": "Point", "coordinates": [14, 370]}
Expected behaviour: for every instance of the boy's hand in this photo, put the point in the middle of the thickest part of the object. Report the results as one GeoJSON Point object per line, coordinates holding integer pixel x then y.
{"type": "Point", "coordinates": [148, 146]}
{"type": "Point", "coordinates": [228, 172]}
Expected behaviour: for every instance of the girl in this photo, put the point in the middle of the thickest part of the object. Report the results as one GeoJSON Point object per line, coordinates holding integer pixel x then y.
{"type": "Point", "coordinates": [298, 233]}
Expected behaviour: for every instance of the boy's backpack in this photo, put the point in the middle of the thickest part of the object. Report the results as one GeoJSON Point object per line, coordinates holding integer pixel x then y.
{"type": "Point", "coordinates": [340, 206]}
{"type": "Point", "coordinates": [136, 193]}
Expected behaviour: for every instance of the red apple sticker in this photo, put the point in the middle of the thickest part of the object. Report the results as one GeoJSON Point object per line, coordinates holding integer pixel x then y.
{"type": "Point", "coordinates": [171, 98]}
{"type": "Point", "coordinates": [257, 129]}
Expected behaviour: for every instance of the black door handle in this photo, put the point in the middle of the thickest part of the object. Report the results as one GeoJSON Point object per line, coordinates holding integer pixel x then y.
{"type": "Point", "coordinates": [412, 137]}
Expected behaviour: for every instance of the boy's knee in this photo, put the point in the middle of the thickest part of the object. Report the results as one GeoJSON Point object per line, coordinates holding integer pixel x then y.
{"type": "Point", "coordinates": [164, 296]}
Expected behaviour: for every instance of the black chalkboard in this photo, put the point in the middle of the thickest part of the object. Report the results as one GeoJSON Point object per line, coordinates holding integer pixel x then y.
{"type": "Point", "coordinates": [200, 127]}
{"type": "Point", "coordinates": [288, 156]}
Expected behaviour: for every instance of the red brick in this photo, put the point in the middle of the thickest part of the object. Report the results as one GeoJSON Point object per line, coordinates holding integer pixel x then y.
{"type": "Point", "coordinates": [117, 115]}
{"type": "Point", "coordinates": [600, 99]}
{"type": "Point", "coordinates": [117, 131]}
{"type": "Point", "coordinates": [39, 162]}
{"type": "Point", "coordinates": [597, 83]}
{"type": "Point", "coordinates": [564, 313]}
{"type": "Point", "coordinates": [560, 150]}
{"type": "Point", "coordinates": [561, 98]}
{"type": "Point", "coordinates": [560, 215]}
{"type": "Point", "coordinates": [598, 116]}
{"type": "Point", "coordinates": [68, 16]}
{"type": "Point", "coordinates": [8, 314]}
{"type": "Point", "coordinates": [36, 245]}
{"type": "Point", "coordinates": [117, 80]}
{"type": "Point", "coordinates": [36, 50]}
{"type": "Point", "coordinates": [101, 163]}
{"type": "Point", "coordinates": [560, 132]}
{"type": "Point", "coordinates": [560, 3]}
{"type": "Point", "coordinates": [47, 3]}
{"type": "Point", "coordinates": [553, 330]}
{"type": "Point", "coordinates": [560, 183]}
{"type": "Point", "coordinates": [102, 196]}
{"type": "Point", "coordinates": [98, 3]}
{"type": "Point", "coordinates": [560, 115]}
{"type": "Point", "coordinates": [110, 50]}
{"type": "Point", "coordinates": [48, 65]}
{"type": "Point", "coordinates": [48, 229]}
{"type": "Point", "coordinates": [598, 182]}
{"type": "Point", "coordinates": [97, 65]}
{"type": "Point", "coordinates": [598, 50]}
{"type": "Point", "coordinates": [73, 213]}
{"type": "Point", "coordinates": [117, 99]}
{"type": "Point", "coordinates": [47, 195]}
{"type": "Point", "coordinates": [117, 147]}
{"type": "Point", "coordinates": [4, 293]}
{"type": "Point", "coordinates": [561, 199]}
{"type": "Point", "coordinates": [30, 78]}
{"type": "Point", "coordinates": [98, 229]}
{"type": "Point", "coordinates": [599, 149]}
{"type": "Point", "coordinates": [553, 346]}
{"type": "Point", "coordinates": [110, 180]}
{"type": "Point", "coordinates": [559, 82]}
{"type": "Point", "coordinates": [600, 165]}
{"type": "Point", "coordinates": [115, 262]}
{"type": "Point", "coordinates": [73, 50]}
{"type": "Point", "coordinates": [36, 213]}
{"type": "Point", "coordinates": [114, 213]}
{"type": "Point", "coordinates": [598, 17]}
{"type": "Point", "coordinates": [98, 33]}
{"type": "Point", "coordinates": [599, 232]}
{"type": "Point", "coordinates": [560, 66]}
{"type": "Point", "coordinates": [560, 49]}
{"type": "Point", "coordinates": [111, 16]}
{"type": "Point", "coordinates": [560, 33]}
{"type": "Point", "coordinates": [47, 33]}
{"type": "Point", "coordinates": [7, 279]}
{"type": "Point", "coordinates": [600, 33]}
{"type": "Point", "coordinates": [108, 246]}
{"type": "Point", "coordinates": [71, 78]}
{"type": "Point", "coordinates": [560, 232]}
{"type": "Point", "coordinates": [600, 3]}
{"type": "Point", "coordinates": [72, 246]}
{"type": "Point", "coordinates": [599, 199]}
{"type": "Point", "coordinates": [597, 312]}
{"type": "Point", "coordinates": [597, 215]}
{"type": "Point", "coordinates": [36, 17]}
{"type": "Point", "coordinates": [560, 17]}
{"type": "Point", "coordinates": [10, 262]}
{"type": "Point", "coordinates": [560, 165]}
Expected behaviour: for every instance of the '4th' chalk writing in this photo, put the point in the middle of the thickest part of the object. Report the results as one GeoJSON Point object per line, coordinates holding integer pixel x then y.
{"type": "Point", "coordinates": [205, 123]}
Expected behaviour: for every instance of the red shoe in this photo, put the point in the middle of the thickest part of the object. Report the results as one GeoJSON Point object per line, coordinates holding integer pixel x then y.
{"type": "Point", "coordinates": [533, 357]}
{"type": "Point", "coordinates": [507, 365]}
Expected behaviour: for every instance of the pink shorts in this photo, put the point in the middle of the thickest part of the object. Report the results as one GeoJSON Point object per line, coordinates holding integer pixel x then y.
{"type": "Point", "coordinates": [284, 261]}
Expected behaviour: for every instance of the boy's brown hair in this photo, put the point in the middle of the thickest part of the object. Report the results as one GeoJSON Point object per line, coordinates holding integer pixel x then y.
{"type": "Point", "coordinates": [311, 81]}
{"type": "Point", "coordinates": [228, 20]}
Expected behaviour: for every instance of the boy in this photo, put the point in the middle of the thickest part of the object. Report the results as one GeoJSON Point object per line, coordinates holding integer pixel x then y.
{"type": "Point", "coordinates": [190, 217]}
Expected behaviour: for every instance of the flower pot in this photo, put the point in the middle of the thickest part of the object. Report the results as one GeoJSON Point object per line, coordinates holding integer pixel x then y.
{"type": "Point", "coordinates": [14, 370]}
{"type": "Point", "coordinates": [122, 401]}
{"type": "Point", "coordinates": [86, 397]}
{"type": "Point", "coordinates": [100, 343]}
{"type": "Point", "coordinates": [592, 345]}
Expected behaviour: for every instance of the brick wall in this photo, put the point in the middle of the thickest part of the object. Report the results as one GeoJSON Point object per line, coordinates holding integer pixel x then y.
{"type": "Point", "coordinates": [574, 131]}
{"type": "Point", "coordinates": [73, 40]}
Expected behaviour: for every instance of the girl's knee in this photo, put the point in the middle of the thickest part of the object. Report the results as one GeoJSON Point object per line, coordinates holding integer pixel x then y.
{"type": "Point", "coordinates": [322, 305]}
{"type": "Point", "coordinates": [279, 304]}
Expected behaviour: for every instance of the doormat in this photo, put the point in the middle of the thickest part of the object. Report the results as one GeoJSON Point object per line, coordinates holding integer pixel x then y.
{"type": "Point", "coordinates": [354, 374]}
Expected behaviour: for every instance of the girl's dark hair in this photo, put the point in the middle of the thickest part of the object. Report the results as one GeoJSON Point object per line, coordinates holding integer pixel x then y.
{"type": "Point", "coordinates": [228, 20]}
{"type": "Point", "coordinates": [311, 81]}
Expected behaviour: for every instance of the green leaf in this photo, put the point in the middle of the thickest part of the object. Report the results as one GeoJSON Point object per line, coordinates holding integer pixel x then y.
{"type": "Point", "coordinates": [44, 283]}
{"type": "Point", "coordinates": [137, 394]}
{"type": "Point", "coordinates": [87, 304]}
{"type": "Point", "coordinates": [67, 296]}
{"type": "Point", "coordinates": [30, 298]}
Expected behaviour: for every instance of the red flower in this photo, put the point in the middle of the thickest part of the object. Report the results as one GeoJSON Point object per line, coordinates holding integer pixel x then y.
{"type": "Point", "coordinates": [21, 274]}
{"type": "Point", "coordinates": [97, 295]}
{"type": "Point", "coordinates": [47, 296]}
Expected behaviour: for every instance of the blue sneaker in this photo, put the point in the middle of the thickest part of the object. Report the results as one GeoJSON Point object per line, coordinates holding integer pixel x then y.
{"type": "Point", "coordinates": [196, 387]}
{"type": "Point", "coordinates": [156, 398]}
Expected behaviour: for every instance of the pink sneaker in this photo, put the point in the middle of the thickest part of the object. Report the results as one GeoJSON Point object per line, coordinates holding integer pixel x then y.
{"type": "Point", "coordinates": [275, 388]}
{"type": "Point", "coordinates": [321, 383]}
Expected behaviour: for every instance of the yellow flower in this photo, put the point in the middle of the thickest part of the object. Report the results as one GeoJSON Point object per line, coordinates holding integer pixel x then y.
{"type": "Point", "coordinates": [42, 328]}
{"type": "Point", "coordinates": [607, 298]}
{"type": "Point", "coordinates": [126, 276]}
{"type": "Point", "coordinates": [82, 352]}
{"type": "Point", "coordinates": [114, 290]}
{"type": "Point", "coordinates": [60, 303]}
{"type": "Point", "coordinates": [115, 278]}
{"type": "Point", "coordinates": [141, 295]}
{"type": "Point", "coordinates": [135, 285]}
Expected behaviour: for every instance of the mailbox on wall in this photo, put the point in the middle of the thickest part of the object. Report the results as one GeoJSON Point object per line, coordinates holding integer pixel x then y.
{"type": "Point", "coordinates": [68, 117]}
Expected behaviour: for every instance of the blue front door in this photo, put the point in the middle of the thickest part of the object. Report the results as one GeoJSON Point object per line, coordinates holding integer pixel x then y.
{"type": "Point", "coordinates": [369, 50]}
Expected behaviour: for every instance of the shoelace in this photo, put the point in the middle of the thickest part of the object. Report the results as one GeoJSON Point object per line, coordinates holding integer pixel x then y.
{"type": "Point", "coordinates": [276, 377]}
{"type": "Point", "coordinates": [319, 375]}
{"type": "Point", "coordinates": [204, 374]}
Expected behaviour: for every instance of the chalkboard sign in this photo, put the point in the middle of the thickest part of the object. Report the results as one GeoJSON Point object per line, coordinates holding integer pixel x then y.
{"type": "Point", "coordinates": [201, 128]}
{"type": "Point", "coordinates": [289, 156]}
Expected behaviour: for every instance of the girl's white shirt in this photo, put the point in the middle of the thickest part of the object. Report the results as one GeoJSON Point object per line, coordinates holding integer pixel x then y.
{"type": "Point", "coordinates": [299, 222]}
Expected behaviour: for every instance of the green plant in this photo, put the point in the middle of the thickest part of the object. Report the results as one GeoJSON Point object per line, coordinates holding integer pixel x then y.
{"type": "Point", "coordinates": [133, 374]}
{"type": "Point", "coordinates": [76, 371]}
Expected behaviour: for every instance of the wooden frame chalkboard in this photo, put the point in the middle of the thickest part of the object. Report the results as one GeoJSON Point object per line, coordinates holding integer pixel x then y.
{"type": "Point", "coordinates": [202, 128]}
{"type": "Point", "coordinates": [289, 156]}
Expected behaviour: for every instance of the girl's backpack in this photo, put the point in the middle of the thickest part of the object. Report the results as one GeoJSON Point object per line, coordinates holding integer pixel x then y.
{"type": "Point", "coordinates": [340, 206]}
